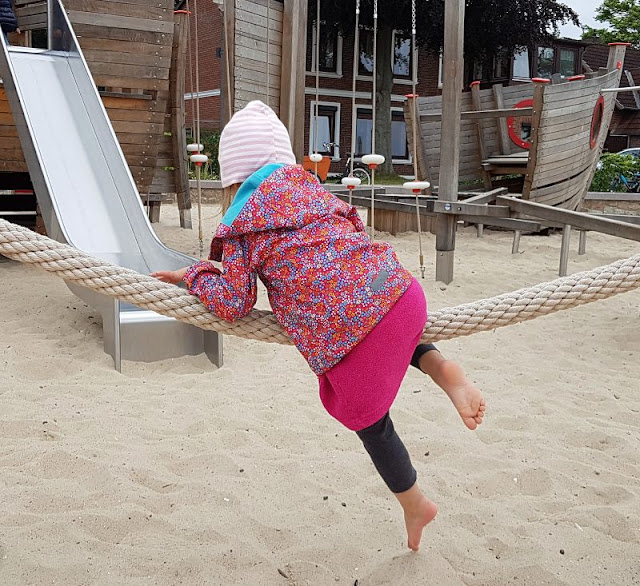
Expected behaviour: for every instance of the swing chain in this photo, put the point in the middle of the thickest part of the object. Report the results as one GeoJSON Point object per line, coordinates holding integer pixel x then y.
{"type": "Point", "coordinates": [413, 17]}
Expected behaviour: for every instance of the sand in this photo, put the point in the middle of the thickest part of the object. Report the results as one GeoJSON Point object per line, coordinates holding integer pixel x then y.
{"type": "Point", "coordinates": [178, 473]}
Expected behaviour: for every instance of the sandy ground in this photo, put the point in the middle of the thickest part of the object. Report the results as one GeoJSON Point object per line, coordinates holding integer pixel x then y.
{"type": "Point", "coordinates": [178, 473]}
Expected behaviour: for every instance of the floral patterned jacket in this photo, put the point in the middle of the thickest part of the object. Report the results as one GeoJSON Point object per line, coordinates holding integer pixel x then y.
{"type": "Point", "coordinates": [328, 283]}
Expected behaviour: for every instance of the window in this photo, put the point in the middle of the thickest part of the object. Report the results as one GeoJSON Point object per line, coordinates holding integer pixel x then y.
{"type": "Point", "coordinates": [364, 127]}
{"type": "Point", "coordinates": [330, 50]}
{"type": "Point", "coordinates": [477, 71]}
{"type": "Point", "coordinates": [402, 55]}
{"type": "Point", "coordinates": [39, 38]}
{"type": "Point", "coordinates": [521, 67]}
{"type": "Point", "coordinates": [501, 67]}
{"type": "Point", "coordinates": [365, 65]}
{"type": "Point", "coordinates": [328, 125]}
{"type": "Point", "coordinates": [402, 58]}
{"type": "Point", "coordinates": [545, 62]}
{"type": "Point", "coordinates": [568, 58]}
{"type": "Point", "coordinates": [399, 147]}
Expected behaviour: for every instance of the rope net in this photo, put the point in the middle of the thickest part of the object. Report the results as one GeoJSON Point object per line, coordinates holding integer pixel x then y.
{"type": "Point", "coordinates": [66, 262]}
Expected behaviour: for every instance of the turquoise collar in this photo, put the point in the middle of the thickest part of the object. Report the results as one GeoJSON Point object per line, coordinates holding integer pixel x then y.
{"type": "Point", "coordinates": [246, 190]}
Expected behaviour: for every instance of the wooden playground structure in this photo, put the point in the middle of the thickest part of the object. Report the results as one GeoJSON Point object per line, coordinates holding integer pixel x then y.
{"type": "Point", "coordinates": [136, 53]}
{"type": "Point", "coordinates": [551, 134]}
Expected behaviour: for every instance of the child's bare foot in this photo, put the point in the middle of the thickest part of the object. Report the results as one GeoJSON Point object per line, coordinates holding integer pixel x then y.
{"type": "Point", "coordinates": [464, 395]}
{"type": "Point", "coordinates": [450, 377]}
{"type": "Point", "coordinates": [417, 521]}
{"type": "Point", "coordinates": [419, 511]}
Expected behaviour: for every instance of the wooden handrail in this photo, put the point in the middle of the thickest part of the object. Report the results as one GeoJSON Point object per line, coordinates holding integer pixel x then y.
{"type": "Point", "coordinates": [479, 114]}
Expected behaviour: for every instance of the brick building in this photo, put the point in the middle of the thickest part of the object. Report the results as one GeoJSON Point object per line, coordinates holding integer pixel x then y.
{"type": "Point", "coordinates": [211, 62]}
{"type": "Point", "coordinates": [625, 124]}
{"type": "Point", "coordinates": [336, 116]}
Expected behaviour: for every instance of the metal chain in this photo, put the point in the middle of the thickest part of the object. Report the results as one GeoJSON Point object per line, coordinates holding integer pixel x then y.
{"type": "Point", "coordinates": [413, 17]}
{"type": "Point", "coordinates": [414, 127]}
{"type": "Point", "coordinates": [354, 111]}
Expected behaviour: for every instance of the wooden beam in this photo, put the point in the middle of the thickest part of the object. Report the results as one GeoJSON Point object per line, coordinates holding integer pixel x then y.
{"type": "Point", "coordinates": [177, 107]}
{"type": "Point", "coordinates": [578, 220]}
{"type": "Point", "coordinates": [475, 102]}
{"type": "Point", "coordinates": [632, 83]}
{"type": "Point", "coordinates": [453, 75]}
{"type": "Point", "coordinates": [292, 76]}
{"type": "Point", "coordinates": [503, 129]}
{"type": "Point", "coordinates": [488, 197]}
{"type": "Point", "coordinates": [480, 114]}
{"type": "Point", "coordinates": [506, 223]}
{"type": "Point", "coordinates": [538, 102]}
{"type": "Point", "coordinates": [229, 95]}
{"type": "Point", "coordinates": [471, 209]}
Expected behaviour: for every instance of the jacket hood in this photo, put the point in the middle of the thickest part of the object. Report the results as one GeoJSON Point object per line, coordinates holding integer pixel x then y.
{"type": "Point", "coordinates": [262, 204]}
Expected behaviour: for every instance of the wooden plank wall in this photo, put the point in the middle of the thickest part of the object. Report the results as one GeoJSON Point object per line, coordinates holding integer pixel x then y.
{"type": "Point", "coordinates": [470, 160]}
{"type": "Point", "coordinates": [250, 51]}
{"type": "Point", "coordinates": [31, 14]}
{"type": "Point", "coordinates": [11, 156]}
{"type": "Point", "coordinates": [564, 156]}
{"type": "Point", "coordinates": [171, 174]}
{"type": "Point", "coordinates": [128, 47]}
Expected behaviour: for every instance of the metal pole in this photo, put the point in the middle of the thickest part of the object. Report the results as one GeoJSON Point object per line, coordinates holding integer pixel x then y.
{"type": "Point", "coordinates": [453, 74]}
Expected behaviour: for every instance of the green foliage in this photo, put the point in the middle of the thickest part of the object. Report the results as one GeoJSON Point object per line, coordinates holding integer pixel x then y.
{"type": "Point", "coordinates": [389, 179]}
{"type": "Point", "coordinates": [211, 169]}
{"type": "Point", "coordinates": [611, 166]}
{"type": "Point", "coordinates": [520, 23]}
{"type": "Point", "coordinates": [623, 19]}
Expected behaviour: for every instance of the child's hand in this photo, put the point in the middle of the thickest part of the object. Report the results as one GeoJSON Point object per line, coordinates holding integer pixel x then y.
{"type": "Point", "coordinates": [173, 277]}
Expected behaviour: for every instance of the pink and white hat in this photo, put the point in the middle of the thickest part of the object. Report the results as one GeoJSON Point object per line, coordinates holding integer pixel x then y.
{"type": "Point", "coordinates": [253, 138]}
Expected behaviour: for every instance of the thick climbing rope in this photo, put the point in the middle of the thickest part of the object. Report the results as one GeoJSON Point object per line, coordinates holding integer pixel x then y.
{"type": "Point", "coordinates": [68, 263]}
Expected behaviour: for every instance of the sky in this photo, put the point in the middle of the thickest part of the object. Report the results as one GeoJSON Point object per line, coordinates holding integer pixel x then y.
{"type": "Point", "coordinates": [586, 10]}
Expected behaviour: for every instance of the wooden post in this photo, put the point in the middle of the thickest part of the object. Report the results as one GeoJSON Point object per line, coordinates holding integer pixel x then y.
{"type": "Point", "coordinates": [515, 247]}
{"type": "Point", "coordinates": [582, 243]}
{"type": "Point", "coordinates": [177, 108]}
{"type": "Point", "coordinates": [475, 102]}
{"type": "Point", "coordinates": [453, 74]}
{"type": "Point", "coordinates": [538, 103]}
{"type": "Point", "coordinates": [616, 55]}
{"type": "Point", "coordinates": [228, 95]}
{"type": "Point", "coordinates": [424, 173]}
{"type": "Point", "coordinates": [503, 129]}
{"type": "Point", "coordinates": [632, 83]}
{"type": "Point", "coordinates": [292, 74]}
{"type": "Point", "coordinates": [564, 250]}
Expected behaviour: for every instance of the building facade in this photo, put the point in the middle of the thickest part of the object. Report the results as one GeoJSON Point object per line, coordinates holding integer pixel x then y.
{"type": "Point", "coordinates": [339, 126]}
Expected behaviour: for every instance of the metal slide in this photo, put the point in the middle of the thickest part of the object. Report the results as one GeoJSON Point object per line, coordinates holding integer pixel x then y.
{"type": "Point", "coordinates": [85, 190]}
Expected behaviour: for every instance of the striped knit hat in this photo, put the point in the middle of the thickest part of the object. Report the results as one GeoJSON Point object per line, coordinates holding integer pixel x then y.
{"type": "Point", "coordinates": [253, 138]}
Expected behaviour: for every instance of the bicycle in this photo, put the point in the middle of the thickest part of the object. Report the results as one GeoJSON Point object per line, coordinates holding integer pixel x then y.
{"type": "Point", "coordinates": [626, 184]}
{"type": "Point", "coordinates": [360, 170]}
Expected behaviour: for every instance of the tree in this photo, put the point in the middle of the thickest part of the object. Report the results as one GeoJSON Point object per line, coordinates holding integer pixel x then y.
{"type": "Point", "coordinates": [521, 23]}
{"type": "Point", "coordinates": [623, 17]}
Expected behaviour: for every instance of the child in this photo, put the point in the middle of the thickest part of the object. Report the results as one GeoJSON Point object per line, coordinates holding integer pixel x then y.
{"type": "Point", "coordinates": [8, 21]}
{"type": "Point", "coordinates": [351, 309]}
